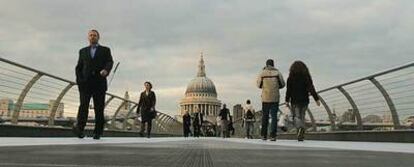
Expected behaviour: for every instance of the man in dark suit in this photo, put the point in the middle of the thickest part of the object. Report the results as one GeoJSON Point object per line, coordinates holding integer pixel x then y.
{"type": "Point", "coordinates": [197, 122]}
{"type": "Point", "coordinates": [94, 64]}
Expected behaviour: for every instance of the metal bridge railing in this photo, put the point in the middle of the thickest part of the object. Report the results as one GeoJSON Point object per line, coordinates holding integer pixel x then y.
{"type": "Point", "coordinates": [384, 100]}
{"type": "Point", "coordinates": [28, 96]}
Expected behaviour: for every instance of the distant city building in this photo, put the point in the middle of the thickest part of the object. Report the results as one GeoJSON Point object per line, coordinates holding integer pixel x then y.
{"type": "Point", "coordinates": [30, 110]}
{"type": "Point", "coordinates": [237, 111]}
{"type": "Point", "coordinates": [372, 119]}
{"type": "Point", "coordinates": [387, 118]}
{"type": "Point", "coordinates": [409, 121]}
{"type": "Point", "coordinates": [201, 93]}
{"type": "Point", "coordinates": [5, 107]}
{"type": "Point", "coordinates": [348, 116]}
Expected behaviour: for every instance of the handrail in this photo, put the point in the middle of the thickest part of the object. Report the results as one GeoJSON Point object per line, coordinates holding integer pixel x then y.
{"type": "Point", "coordinates": [370, 76]}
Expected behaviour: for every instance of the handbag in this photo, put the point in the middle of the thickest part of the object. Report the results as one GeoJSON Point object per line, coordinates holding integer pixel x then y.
{"type": "Point", "coordinates": [153, 114]}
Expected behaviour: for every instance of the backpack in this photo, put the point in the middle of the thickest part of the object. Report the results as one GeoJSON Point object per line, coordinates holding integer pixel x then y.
{"type": "Point", "coordinates": [249, 115]}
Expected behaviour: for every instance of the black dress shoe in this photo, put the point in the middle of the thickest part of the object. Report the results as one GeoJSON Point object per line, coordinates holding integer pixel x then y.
{"type": "Point", "coordinates": [96, 137]}
{"type": "Point", "coordinates": [78, 132]}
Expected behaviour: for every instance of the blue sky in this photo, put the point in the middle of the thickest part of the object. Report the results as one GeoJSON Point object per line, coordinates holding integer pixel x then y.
{"type": "Point", "coordinates": [161, 41]}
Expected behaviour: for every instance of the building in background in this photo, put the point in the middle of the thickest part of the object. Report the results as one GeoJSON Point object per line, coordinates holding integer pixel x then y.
{"type": "Point", "coordinates": [237, 112]}
{"type": "Point", "coordinates": [348, 116]}
{"type": "Point", "coordinates": [30, 110]}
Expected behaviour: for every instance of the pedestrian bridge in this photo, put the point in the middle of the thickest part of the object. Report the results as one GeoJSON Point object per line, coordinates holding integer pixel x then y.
{"type": "Point", "coordinates": [364, 122]}
{"type": "Point", "coordinates": [186, 152]}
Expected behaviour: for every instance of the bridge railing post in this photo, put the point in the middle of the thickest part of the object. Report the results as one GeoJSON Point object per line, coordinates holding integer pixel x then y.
{"type": "Point", "coordinates": [114, 117]}
{"type": "Point", "coordinates": [390, 103]}
{"type": "Point", "coordinates": [313, 122]}
{"type": "Point", "coordinates": [124, 126]}
{"type": "Point", "coordinates": [20, 100]}
{"type": "Point", "coordinates": [329, 112]}
{"type": "Point", "coordinates": [56, 103]}
{"type": "Point", "coordinates": [354, 107]}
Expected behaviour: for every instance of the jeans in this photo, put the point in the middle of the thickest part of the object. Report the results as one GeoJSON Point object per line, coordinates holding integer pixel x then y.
{"type": "Point", "coordinates": [272, 109]}
{"type": "Point", "coordinates": [299, 112]}
{"type": "Point", "coordinates": [249, 128]}
{"type": "Point", "coordinates": [224, 128]}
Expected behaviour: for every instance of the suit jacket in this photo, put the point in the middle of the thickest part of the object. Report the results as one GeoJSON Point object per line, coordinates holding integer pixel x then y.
{"type": "Point", "coordinates": [88, 68]}
{"type": "Point", "coordinates": [145, 105]}
{"type": "Point", "coordinates": [187, 120]}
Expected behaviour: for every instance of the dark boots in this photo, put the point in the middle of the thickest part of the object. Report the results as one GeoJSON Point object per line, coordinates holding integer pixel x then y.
{"type": "Point", "coordinates": [301, 134]}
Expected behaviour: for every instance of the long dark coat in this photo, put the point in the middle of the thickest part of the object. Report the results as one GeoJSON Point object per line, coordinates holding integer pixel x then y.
{"type": "Point", "coordinates": [146, 106]}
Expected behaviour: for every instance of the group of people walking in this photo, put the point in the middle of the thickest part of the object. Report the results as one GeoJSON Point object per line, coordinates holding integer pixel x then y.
{"type": "Point", "coordinates": [196, 120]}
{"type": "Point", "coordinates": [95, 63]}
{"type": "Point", "coordinates": [224, 126]}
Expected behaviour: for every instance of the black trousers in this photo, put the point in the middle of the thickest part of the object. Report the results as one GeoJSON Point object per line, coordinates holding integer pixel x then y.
{"type": "Point", "coordinates": [98, 103]}
{"type": "Point", "coordinates": [149, 127]}
{"type": "Point", "coordinates": [197, 130]}
{"type": "Point", "coordinates": [187, 131]}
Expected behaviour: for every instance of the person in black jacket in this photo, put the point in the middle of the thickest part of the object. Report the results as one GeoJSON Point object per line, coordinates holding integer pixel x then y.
{"type": "Point", "coordinates": [299, 86]}
{"type": "Point", "coordinates": [146, 107]}
{"type": "Point", "coordinates": [224, 117]}
{"type": "Point", "coordinates": [197, 122]}
{"type": "Point", "coordinates": [186, 124]}
{"type": "Point", "coordinates": [94, 65]}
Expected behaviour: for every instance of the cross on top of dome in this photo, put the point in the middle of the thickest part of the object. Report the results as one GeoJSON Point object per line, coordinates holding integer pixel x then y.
{"type": "Point", "coordinates": [201, 67]}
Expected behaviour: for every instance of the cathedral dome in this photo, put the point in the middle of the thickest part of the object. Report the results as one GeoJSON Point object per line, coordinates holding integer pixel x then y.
{"type": "Point", "coordinates": [201, 85]}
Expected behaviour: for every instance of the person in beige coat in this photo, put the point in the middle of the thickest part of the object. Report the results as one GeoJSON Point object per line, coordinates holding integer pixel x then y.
{"type": "Point", "coordinates": [270, 80]}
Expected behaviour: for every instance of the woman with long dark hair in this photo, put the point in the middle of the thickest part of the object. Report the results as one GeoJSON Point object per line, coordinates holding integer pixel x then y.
{"type": "Point", "coordinates": [299, 86]}
{"type": "Point", "coordinates": [146, 106]}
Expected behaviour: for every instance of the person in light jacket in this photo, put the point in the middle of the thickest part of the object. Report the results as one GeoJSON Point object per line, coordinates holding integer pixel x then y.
{"type": "Point", "coordinates": [270, 80]}
{"type": "Point", "coordinates": [249, 119]}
